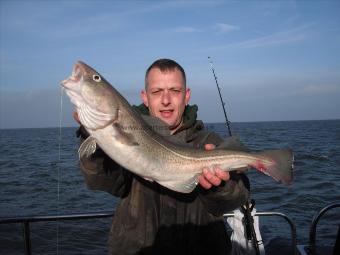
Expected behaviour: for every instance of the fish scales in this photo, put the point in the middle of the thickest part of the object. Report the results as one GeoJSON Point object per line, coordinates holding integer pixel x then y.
{"type": "Point", "coordinates": [124, 136]}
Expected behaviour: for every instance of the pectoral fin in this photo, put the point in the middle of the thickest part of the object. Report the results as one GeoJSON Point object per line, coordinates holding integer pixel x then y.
{"type": "Point", "coordinates": [88, 147]}
{"type": "Point", "coordinates": [124, 137]}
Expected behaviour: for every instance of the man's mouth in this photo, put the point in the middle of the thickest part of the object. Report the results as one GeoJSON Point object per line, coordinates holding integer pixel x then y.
{"type": "Point", "coordinates": [166, 113]}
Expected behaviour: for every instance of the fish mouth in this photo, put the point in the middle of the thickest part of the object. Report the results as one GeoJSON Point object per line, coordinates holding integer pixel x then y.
{"type": "Point", "coordinates": [76, 77]}
{"type": "Point", "coordinates": [72, 85]}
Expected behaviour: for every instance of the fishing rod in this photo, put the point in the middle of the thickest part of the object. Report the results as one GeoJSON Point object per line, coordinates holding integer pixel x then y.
{"type": "Point", "coordinates": [219, 92]}
{"type": "Point", "coordinates": [249, 205]}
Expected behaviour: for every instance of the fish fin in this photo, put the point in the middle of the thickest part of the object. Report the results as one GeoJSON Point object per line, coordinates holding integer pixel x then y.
{"type": "Point", "coordinates": [88, 147]}
{"type": "Point", "coordinates": [240, 168]}
{"type": "Point", "coordinates": [280, 166]}
{"type": "Point", "coordinates": [124, 137]}
{"type": "Point", "coordinates": [148, 179]}
{"type": "Point", "coordinates": [183, 186]}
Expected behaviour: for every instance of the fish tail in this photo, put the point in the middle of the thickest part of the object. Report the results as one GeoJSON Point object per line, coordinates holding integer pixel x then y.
{"type": "Point", "coordinates": [278, 164]}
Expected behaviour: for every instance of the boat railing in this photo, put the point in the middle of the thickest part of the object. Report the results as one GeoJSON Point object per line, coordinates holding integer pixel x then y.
{"type": "Point", "coordinates": [310, 249]}
{"type": "Point", "coordinates": [26, 220]}
{"type": "Point", "coordinates": [290, 222]}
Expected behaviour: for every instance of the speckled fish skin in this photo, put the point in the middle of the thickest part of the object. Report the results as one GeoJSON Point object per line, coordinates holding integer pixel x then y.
{"type": "Point", "coordinates": [124, 136]}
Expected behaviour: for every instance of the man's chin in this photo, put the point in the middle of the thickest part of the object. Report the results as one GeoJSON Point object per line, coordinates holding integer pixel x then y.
{"type": "Point", "coordinates": [173, 124]}
{"type": "Point", "coordinates": [168, 122]}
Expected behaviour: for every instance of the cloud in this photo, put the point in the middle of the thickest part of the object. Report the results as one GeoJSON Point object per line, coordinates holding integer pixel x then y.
{"type": "Point", "coordinates": [219, 27]}
{"type": "Point", "coordinates": [186, 29]}
{"type": "Point", "coordinates": [284, 37]}
{"type": "Point", "coordinates": [42, 19]}
{"type": "Point", "coordinates": [94, 25]}
{"type": "Point", "coordinates": [321, 89]}
{"type": "Point", "coordinates": [224, 28]}
{"type": "Point", "coordinates": [290, 36]}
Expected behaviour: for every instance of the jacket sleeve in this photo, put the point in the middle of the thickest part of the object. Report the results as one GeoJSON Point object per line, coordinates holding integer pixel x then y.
{"type": "Point", "coordinates": [230, 194]}
{"type": "Point", "coordinates": [102, 173]}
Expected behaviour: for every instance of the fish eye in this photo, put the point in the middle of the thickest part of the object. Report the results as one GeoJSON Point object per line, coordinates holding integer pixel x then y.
{"type": "Point", "coordinates": [96, 78]}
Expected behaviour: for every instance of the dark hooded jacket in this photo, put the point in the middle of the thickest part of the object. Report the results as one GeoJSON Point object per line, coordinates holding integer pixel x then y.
{"type": "Point", "coordinates": [151, 219]}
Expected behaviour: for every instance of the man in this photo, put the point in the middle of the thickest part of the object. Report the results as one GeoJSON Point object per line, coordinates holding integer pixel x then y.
{"type": "Point", "coordinates": [151, 219]}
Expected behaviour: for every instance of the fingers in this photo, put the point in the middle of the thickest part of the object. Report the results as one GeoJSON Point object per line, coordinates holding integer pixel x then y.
{"type": "Point", "coordinates": [223, 175]}
{"type": "Point", "coordinates": [76, 117]}
{"type": "Point", "coordinates": [213, 177]}
{"type": "Point", "coordinates": [209, 146]}
{"type": "Point", "coordinates": [204, 182]}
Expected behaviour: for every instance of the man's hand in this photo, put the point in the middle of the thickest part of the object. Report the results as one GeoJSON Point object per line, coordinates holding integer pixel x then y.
{"type": "Point", "coordinates": [212, 177]}
{"type": "Point", "coordinates": [76, 117]}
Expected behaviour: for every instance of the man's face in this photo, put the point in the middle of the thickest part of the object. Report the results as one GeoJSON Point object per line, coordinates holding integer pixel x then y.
{"type": "Point", "coordinates": [166, 96]}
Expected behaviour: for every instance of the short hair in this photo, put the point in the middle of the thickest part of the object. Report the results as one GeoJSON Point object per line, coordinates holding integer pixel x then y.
{"type": "Point", "coordinates": [165, 65]}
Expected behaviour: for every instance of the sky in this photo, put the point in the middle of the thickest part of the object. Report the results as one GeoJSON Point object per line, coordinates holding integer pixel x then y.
{"type": "Point", "coordinates": [274, 60]}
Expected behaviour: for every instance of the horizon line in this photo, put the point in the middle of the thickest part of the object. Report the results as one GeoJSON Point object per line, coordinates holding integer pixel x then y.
{"type": "Point", "coordinates": [205, 123]}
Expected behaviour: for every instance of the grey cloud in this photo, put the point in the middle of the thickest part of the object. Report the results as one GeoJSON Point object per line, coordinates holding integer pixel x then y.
{"type": "Point", "coordinates": [225, 28]}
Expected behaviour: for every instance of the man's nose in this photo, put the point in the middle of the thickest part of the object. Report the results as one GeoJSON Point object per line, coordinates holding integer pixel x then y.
{"type": "Point", "coordinates": [166, 98]}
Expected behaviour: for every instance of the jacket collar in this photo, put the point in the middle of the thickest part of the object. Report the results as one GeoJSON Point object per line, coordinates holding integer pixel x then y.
{"type": "Point", "coordinates": [190, 123]}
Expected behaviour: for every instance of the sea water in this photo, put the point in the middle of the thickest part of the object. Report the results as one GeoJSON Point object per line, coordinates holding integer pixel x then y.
{"type": "Point", "coordinates": [37, 177]}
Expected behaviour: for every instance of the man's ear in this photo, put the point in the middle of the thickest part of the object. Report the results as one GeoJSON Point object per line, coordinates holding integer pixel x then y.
{"type": "Point", "coordinates": [144, 98]}
{"type": "Point", "coordinates": [187, 96]}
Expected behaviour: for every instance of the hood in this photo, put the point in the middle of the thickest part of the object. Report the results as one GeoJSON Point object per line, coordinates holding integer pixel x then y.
{"type": "Point", "coordinates": [190, 122]}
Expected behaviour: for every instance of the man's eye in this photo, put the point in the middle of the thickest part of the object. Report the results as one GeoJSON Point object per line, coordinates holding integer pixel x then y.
{"type": "Point", "coordinates": [156, 92]}
{"type": "Point", "coordinates": [176, 91]}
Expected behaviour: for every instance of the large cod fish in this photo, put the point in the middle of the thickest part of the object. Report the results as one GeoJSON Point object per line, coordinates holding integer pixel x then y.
{"type": "Point", "coordinates": [125, 137]}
